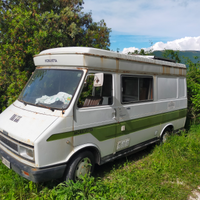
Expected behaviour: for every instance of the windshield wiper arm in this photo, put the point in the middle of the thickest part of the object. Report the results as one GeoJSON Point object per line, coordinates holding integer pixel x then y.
{"type": "Point", "coordinates": [25, 103]}
{"type": "Point", "coordinates": [63, 111]}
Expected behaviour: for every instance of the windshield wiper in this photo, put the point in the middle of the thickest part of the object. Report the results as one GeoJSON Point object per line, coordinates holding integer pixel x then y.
{"type": "Point", "coordinates": [39, 104]}
{"type": "Point", "coordinates": [25, 103]}
{"type": "Point", "coordinates": [63, 111]}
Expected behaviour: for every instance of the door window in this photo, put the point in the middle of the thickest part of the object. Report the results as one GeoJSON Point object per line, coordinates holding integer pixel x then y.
{"type": "Point", "coordinates": [96, 96]}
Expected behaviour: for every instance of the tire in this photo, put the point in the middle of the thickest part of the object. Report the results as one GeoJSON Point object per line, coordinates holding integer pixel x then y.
{"type": "Point", "coordinates": [81, 164]}
{"type": "Point", "coordinates": [165, 135]}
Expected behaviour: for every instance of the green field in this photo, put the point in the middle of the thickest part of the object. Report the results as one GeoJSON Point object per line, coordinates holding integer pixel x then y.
{"type": "Point", "coordinates": [167, 171]}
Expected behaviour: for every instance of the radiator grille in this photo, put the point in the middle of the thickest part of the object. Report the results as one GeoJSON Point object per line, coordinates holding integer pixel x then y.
{"type": "Point", "coordinates": [9, 143]}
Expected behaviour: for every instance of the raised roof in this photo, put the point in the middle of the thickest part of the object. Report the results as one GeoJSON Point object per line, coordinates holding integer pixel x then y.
{"type": "Point", "coordinates": [107, 54]}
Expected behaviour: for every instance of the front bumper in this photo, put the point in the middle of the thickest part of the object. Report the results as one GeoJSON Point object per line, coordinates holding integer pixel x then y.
{"type": "Point", "coordinates": [34, 174]}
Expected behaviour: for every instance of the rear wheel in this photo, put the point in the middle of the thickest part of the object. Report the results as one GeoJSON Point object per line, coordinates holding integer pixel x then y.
{"type": "Point", "coordinates": [165, 135]}
{"type": "Point", "coordinates": [81, 164]}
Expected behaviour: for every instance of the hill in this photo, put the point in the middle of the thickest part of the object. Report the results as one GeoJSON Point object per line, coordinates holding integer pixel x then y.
{"type": "Point", "coordinates": [182, 54]}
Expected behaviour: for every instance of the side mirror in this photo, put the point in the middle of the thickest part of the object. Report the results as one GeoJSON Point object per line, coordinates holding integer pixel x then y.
{"type": "Point", "coordinates": [98, 79]}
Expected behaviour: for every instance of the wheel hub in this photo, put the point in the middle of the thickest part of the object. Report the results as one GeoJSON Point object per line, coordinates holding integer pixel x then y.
{"type": "Point", "coordinates": [83, 167]}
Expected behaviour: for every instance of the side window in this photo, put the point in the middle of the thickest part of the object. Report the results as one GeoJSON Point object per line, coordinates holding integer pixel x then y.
{"type": "Point", "coordinates": [96, 96]}
{"type": "Point", "coordinates": [167, 87]}
{"type": "Point", "coordinates": [136, 89]}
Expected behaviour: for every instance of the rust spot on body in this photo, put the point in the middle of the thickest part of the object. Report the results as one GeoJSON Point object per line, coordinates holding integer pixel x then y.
{"type": "Point", "coordinates": [45, 67]}
{"type": "Point", "coordinates": [61, 113]}
{"type": "Point", "coordinates": [80, 68]}
{"type": "Point", "coordinates": [180, 71]}
{"type": "Point", "coordinates": [44, 54]}
{"type": "Point", "coordinates": [166, 70]}
{"type": "Point", "coordinates": [84, 64]}
{"type": "Point", "coordinates": [101, 62]}
{"type": "Point", "coordinates": [128, 72]}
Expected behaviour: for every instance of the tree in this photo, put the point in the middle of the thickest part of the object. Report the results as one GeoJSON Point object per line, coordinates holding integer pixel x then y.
{"type": "Point", "coordinates": [28, 27]}
{"type": "Point", "coordinates": [141, 52]}
{"type": "Point", "coordinates": [171, 54]}
{"type": "Point", "coordinates": [193, 89]}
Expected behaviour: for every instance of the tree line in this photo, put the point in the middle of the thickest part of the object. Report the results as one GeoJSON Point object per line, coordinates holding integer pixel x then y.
{"type": "Point", "coordinates": [28, 27]}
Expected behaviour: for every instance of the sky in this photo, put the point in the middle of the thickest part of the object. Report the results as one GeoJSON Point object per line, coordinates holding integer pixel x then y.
{"type": "Point", "coordinates": [155, 24]}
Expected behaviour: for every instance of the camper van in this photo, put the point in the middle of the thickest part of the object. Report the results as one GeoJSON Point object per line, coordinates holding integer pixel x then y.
{"type": "Point", "coordinates": [86, 106]}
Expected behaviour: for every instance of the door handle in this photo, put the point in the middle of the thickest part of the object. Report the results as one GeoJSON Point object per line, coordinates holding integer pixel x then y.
{"type": "Point", "coordinates": [115, 114]}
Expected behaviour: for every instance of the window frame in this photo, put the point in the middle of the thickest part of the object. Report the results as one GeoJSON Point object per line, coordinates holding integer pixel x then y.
{"type": "Point", "coordinates": [81, 90]}
{"type": "Point", "coordinates": [57, 69]}
{"type": "Point", "coordinates": [135, 76]}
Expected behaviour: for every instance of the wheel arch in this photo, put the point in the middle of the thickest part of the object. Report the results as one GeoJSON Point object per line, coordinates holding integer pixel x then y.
{"type": "Point", "coordinates": [89, 147]}
{"type": "Point", "coordinates": [170, 126]}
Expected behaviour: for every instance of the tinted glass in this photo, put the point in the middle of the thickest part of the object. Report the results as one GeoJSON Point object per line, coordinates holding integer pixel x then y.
{"type": "Point", "coordinates": [136, 89]}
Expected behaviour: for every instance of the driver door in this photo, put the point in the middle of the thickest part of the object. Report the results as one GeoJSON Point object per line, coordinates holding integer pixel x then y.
{"type": "Point", "coordinates": [95, 120]}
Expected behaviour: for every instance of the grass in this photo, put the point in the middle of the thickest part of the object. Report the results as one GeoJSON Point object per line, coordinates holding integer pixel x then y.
{"type": "Point", "coordinates": [168, 171]}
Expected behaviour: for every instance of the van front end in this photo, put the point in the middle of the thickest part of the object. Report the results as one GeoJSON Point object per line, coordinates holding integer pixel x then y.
{"type": "Point", "coordinates": [28, 170]}
{"type": "Point", "coordinates": [44, 108]}
{"type": "Point", "coordinates": [24, 146]}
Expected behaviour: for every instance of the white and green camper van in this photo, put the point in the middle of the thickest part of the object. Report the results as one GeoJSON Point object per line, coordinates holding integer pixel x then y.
{"type": "Point", "coordinates": [86, 106]}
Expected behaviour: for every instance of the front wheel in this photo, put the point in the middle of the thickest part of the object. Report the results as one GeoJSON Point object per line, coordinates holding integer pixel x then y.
{"type": "Point", "coordinates": [81, 164]}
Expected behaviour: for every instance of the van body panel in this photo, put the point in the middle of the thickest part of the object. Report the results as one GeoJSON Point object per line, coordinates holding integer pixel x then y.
{"type": "Point", "coordinates": [133, 125]}
{"type": "Point", "coordinates": [58, 148]}
{"type": "Point", "coordinates": [29, 126]}
{"type": "Point", "coordinates": [101, 123]}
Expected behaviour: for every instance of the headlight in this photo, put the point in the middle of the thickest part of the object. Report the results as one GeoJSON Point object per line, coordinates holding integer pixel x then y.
{"type": "Point", "coordinates": [26, 152]}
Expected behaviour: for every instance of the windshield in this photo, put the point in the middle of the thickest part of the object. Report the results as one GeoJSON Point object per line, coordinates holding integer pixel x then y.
{"type": "Point", "coordinates": [52, 88]}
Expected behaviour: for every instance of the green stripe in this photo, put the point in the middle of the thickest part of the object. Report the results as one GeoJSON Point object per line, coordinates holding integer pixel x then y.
{"type": "Point", "coordinates": [106, 132]}
{"type": "Point", "coordinates": [147, 122]}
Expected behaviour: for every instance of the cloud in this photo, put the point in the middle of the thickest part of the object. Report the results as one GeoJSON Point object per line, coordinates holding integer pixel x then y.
{"type": "Point", "coordinates": [187, 43]}
{"type": "Point", "coordinates": [130, 49]}
{"type": "Point", "coordinates": [171, 18]}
